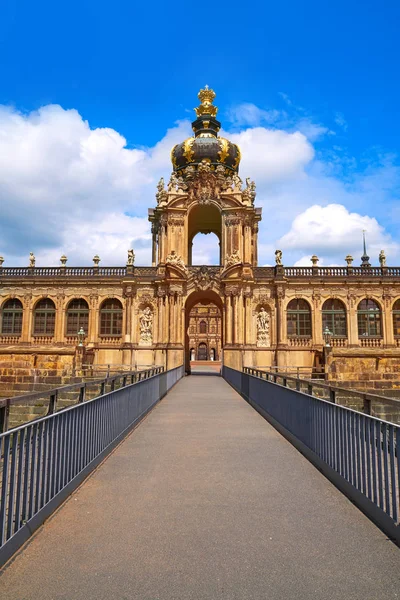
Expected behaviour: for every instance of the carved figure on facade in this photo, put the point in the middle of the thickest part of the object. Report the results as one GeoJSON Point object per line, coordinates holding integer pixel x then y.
{"type": "Point", "coordinates": [174, 259]}
{"type": "Point", "coordinates": [349, 260]}
{"type": "Point", "coordinates": [233, 259]}
{"type": "Point", "coordinates": [249, 193]}
{"type": "Point", "coordinates": [263, 328]}
{"type": "Point", "coordinates": [32, 260]}
{"type": "Point", "coordinates": [131, 258]}
{"type": "Point", "coordinates": [278, 257]}
{"type": "Point", "coordinates": [162, 194]}
{"type": "Point", "coordinates": [237, 183]}
{"type": "Point", "coordinates": [382, 258]}
{"type": "Point", "coordinates": [146, 326]}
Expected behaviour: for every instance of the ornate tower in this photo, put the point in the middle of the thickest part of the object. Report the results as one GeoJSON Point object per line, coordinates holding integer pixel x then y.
{"type": "Point", "coordinates": [205, 194]}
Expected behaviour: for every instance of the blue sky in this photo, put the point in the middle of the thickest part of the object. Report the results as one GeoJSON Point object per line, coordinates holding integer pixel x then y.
{"type": "Point", "coordinates": [314, 87]}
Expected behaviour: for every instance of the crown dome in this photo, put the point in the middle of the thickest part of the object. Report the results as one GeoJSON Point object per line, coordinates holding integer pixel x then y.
{"type": "Point", "coordinates": [205, 145]}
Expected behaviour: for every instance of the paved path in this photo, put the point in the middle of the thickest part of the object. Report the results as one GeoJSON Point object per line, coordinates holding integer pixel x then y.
{"type": "Point", "coordinates": [205, 501]}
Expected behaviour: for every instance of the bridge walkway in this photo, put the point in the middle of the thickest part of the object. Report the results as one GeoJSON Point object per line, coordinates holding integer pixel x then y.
{"type": "Point", "coordinates": [205, 500]}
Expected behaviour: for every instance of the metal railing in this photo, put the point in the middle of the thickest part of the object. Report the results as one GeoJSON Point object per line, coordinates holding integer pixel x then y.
{"type": "Point", "coordinates": [49, 398]}
{"type": "Point", "coordinates": [357, 452]}
{"type": "Point", "coordinates": [44, 461]}
{"type": "Point", "coordinates": [369, 404]}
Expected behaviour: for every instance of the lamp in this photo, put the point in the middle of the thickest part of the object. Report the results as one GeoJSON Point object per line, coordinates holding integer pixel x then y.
{"type": "Point", "coordinates": [327, 336]}
{"type": "Point", "coordinates": [81, 336]}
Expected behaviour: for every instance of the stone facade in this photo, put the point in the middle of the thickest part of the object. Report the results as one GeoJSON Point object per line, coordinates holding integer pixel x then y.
{"type": "Point", "coordinates": [205, 332]}
{"type": "Point", "coordinates": [140, 316]}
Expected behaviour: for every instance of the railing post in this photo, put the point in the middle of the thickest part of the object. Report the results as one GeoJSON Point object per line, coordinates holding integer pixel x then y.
{"type": "Point", "coordinates": [284, 380]}
{"type": "Point", "coordinates": [82, 393]}
{"type": "Point", "coordinates": [309, 388]}
{"type": "Point", "coordinates": [298, 387]}
{"type": "Point", "coordinates": [124, 381]}
{"type": "Point", "coordinates": [367, 405]}
{"type": "Point", "coordinates": [53, 402]}
{"type": "Point", "coordinates": [112, 385]}
{"type": "Point", "coordinates": [4, 416]}
{"type": "Point", "coordinates": [102, 388]}
{"type": "Point", "coordinates": [332, 395]}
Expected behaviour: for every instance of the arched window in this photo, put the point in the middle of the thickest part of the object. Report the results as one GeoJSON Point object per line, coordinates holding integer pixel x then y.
{"type": "Point", "coordinates": [11, 322]}
{"type": "Point", "coordinates": [396, 319]}
{"type": "Point", "coordinates": [111, 317]}
{"type": "Point", "coordinates": [298, 318]}
{"type": "Point", "coordinates": [44, 318]}
{"type": "Point", "coordinates": [334, 317]}
{"type": "Point", "coordinates": [203, 327]}
{"type": "Point", "coordinates": [369, 319]}
{"type": "Point", "coordinates": [77, 316]}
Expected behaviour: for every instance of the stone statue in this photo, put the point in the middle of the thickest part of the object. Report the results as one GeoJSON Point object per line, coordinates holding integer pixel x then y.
{"type": "Point", "coordinates": [32, 260]}
{"type": "Point", "coordinates": [131, 258]}
{"type": "Point", "coordinates": [314, 259]}
{"type": "Point", "coordinates": [382, 258]}
{"type": "Point", "coordinates": [263, 328]}
{"type": "Point", "coordinates": [237, 182]}
{"type": "Point", "coordinates": [173, 182]}
{"type": "Point", "coordinates": [233, 259]}
{"type": "Point", "coordinates": [278, 257]}
{"type": "Point", "coordinates": [146, 326]}
{"type": "Point", "coordinates": [160, 185]}
{"type": "Point", "coordinates": [174, 259]}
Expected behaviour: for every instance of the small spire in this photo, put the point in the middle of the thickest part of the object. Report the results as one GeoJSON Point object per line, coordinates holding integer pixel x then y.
{"type": "Point", "coordinates": [365, 258]}
{"type": "Point", "coordinates": [206, 97]}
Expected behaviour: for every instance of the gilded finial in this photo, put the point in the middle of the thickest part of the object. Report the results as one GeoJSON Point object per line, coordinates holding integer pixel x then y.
{"type": "Point", "coordinates": [206, 97]}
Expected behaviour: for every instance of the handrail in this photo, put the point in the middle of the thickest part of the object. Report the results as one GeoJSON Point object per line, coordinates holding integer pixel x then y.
{"type": "Point", "coordinates": [366, 397]}
{"type": "Point", "coordinates": [54, 393]}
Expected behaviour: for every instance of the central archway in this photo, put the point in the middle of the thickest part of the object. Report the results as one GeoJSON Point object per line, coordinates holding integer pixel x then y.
{"type": "Point", "coordinates": [204, 218]}
{"type": "Point", "coordinates": [202, 298]}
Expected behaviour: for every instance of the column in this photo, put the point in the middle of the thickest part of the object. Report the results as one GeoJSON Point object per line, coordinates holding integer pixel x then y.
{"type": "Point", "coordinates": [387, 317]}
{"type": "Point", "coordinates": [154, 245]}
{"type": "Point", "coordinates": [352, 327]}
{"type": "Point", "coordinates": [228, 320]}
{"type": "Point", "coordinates": [317, 324]}
{"type": "Point", "coordinates": [27, 319]}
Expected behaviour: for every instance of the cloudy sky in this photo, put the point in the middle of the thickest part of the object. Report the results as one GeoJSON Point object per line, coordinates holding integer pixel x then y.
{"type": "Point", "coordinates": [93, 98]}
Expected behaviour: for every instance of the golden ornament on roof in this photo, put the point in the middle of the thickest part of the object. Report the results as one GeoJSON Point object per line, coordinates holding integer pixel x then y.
{"type": "Point", "coordinates": [206, 97]}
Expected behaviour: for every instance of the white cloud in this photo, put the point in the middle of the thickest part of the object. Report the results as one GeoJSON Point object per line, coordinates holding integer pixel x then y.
{"type": "Point", "coordinates": [253, 116]}
{"type": "Point", "coordinates": [67, 188]}
{"type": "Point", "coordinates": [272, 155]}
{"type": "Point", "coordinates": [333, 230]}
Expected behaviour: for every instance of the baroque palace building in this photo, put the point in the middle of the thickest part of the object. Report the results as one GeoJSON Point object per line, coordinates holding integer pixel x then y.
{"type": "Point", "coordinates": [268, 316]}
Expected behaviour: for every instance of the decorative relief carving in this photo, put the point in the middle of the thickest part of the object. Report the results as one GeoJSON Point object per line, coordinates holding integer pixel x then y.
{"type": "Point", "coordinates": [174, 259]}
{"type": "Point", "coordinates": [233, 259]}
{"type": "Point", "coordinates": [263, 319]}
{"type": "Point", "coordinates": [146, 326]}
{"type": "Point", "coordinates": [203, 280]}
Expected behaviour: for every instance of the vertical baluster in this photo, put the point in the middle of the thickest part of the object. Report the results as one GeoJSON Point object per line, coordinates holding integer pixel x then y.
{"type": "Point", "coordinates": [375, 449]}
{"type": "Point", "coordinates": [380, 476]}
{"type": "Point", "coordinates": [4, 488]}
{"type": "Point", "coordinates": [46, 443]}
{"type": "Point", "coordinates": [18, 501]}
{"type": "Point", "coordinates": [386, 468]}
{"type": "Point", "coordinates": [362, 442]}
{"type": "Point", "coordinates": [12, 485]}
{"type": "Point", "coordinates": [394, 490]}
{"type": "Point", "coordinates": [32, 477]}
{"type": "Point", "coordinates": [27, 463]}
{"type": "Point", "coordinates": [39, 466]}
{"type": "Point", "coordinates": [369, 452]}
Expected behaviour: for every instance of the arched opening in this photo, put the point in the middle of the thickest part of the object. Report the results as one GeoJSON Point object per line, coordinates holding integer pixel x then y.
{"type": "Point", "coordinates": [111, 318]}
{"type": "Point", "coordinates": [77, 316]}
{"type": "Point", "coordinates": [207, 307]}
{"type": "Point", "coordinates": [44, 319]}
{"type": "Point", "coordinates": [334, 317]}
{"type": "Point", "coordinates": [205, 249]}
{"type": "Point", "coordinates": [298, 317]}
{"type": "Point", "coordinates": [204, 219]}
{"type": "Point", "coordinates": [202, 353]}
{"type": "Point", "coordinates": [11, 322]}
{"type": "Point", "coordinates": [369, 318]}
